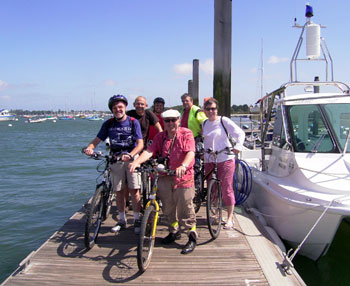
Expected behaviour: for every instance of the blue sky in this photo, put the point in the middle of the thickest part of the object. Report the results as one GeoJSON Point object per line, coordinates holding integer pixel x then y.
{"type": "Point", "coordinates": [74, 54]}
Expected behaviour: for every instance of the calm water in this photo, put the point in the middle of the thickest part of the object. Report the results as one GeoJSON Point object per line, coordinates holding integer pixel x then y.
{"type": "Point", "coordinates": [44, 180]}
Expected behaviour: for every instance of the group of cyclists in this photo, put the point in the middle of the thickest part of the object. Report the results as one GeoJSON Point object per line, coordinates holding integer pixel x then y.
{"type": "Point", "coordinates": [141, 134]}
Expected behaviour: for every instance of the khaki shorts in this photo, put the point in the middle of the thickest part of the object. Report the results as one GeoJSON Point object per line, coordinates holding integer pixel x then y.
{"type": "Point", "coordinates": [121, 176]}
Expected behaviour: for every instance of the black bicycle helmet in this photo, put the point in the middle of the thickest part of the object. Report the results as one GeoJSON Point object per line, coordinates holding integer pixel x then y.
{"type": "Point", "coordinates": [159, 100]}
{"type": "Point", "coordinates": [116, 98]}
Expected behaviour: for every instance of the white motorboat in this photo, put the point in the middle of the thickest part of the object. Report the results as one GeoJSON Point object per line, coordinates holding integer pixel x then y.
{"type": "Point", "coordinates": [37, 119]}
{"type": "Point", "coordinates": [301, 180]}
{"type": "Point", "coordinates": [6, 116]}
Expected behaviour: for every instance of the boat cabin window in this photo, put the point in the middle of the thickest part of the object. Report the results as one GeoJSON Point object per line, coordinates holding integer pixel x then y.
{"type": "Point", "coordinates": [339, 118]}
{"type": "Point", "coordinates": [310, 132]}
{"type": "Point", "coordinates": [279, 138]}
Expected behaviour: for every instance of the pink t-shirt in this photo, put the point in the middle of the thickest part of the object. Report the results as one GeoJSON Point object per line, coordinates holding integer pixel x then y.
{"type": "Point", "coordinates": [184, 142]}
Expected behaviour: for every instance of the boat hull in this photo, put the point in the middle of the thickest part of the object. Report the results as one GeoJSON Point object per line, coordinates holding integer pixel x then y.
{"type": "Point", "coordinates": [292, 219]}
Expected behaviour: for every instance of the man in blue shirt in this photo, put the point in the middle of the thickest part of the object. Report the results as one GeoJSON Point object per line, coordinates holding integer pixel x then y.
{"type": "Point", "coordinates": [124, 133]}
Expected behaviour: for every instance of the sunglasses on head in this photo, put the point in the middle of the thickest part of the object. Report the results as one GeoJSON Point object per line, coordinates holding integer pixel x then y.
{"type": "Point", "coordinates": [210, 108]}
{"type": "Point", "coordinates": [170, 120]}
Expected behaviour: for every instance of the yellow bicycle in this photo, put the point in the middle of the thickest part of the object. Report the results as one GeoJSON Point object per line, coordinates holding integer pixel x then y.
{"type": "Point", "coordinates": [150, 216]}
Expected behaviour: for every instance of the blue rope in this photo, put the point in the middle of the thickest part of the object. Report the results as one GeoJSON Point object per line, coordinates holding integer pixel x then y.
{"type": "Point", "coordinates": [242, 193]}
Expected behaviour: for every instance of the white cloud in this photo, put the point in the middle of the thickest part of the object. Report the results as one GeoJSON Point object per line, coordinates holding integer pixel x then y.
{"type": "Point", "coordinates": [183, 69]}
{"type": "Point", "coordinates": [110, 82]}
{"type": "Point", "coordinates": [3, 85]}
{"type": "Point", "coordinates": [276, 60]}
{"type": "Point", "coordinates": [5, 97]}
{"type": "Point", "coordinates": [207, 66]}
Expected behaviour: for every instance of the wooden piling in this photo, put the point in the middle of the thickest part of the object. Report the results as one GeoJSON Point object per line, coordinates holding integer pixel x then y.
{"type": "Point", "coordinates": [222, 54]}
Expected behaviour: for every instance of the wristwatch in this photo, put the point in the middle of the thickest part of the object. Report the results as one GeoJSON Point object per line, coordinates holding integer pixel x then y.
{"type": "Point", "coordinates": [183, 165]}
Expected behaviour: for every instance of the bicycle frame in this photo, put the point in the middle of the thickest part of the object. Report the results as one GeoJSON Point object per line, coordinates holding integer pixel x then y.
{"type": "Point", "coordinates": [153, 201]}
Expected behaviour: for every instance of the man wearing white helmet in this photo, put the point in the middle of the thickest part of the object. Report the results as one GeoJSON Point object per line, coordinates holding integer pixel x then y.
{"type": "Point", "coordinates": [176, 192]}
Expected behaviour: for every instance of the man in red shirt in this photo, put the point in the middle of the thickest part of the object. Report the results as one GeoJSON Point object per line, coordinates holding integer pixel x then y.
{"type": "Point", "coordinates": [176, 192]}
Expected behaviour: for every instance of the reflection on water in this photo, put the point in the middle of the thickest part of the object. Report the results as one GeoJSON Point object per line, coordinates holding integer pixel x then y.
{"type": "Point", "coordinates": [333, 268]}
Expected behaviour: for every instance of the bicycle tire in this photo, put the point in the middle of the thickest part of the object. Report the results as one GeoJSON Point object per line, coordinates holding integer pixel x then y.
{"type": "Point", "coordinates": [94, 218]}
{"type": "Point", "coordinates": [198, 196]}
{"type": "Point", "coordinates": [214, 208]}
{"type": "Point", "coordinates": [108, 201]}
{"type": "Point", "coordinates": [146, 239]}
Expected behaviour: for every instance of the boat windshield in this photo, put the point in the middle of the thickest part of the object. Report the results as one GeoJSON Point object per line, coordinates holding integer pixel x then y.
{"type": "Point", "coordinates": [339, 118]}
{"type": "Point", "coordinates": [310, 133]}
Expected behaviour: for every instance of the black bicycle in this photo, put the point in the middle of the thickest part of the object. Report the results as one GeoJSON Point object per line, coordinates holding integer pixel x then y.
{"type": "Point", "coordinates": [214, 198]}
{"type": "Point", "coordinates": [101, 203]}
{"type": "Point", "coordinates": [146, 181]}
{"type": "Point", "coordinates": [199, 186]}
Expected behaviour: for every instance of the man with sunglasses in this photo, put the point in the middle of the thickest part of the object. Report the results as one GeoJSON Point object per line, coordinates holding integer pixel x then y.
{"type": "Point", "coordinates": [176, 192]}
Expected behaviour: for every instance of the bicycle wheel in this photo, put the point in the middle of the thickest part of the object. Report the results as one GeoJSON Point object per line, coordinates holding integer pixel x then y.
{"type": "Point", "coordinates": [94, 218]}
{"type": "Point", "coordinates": [198, 182]}
{"type": "Point", "coordinates": [214, 208]}
{"type": "Point", "coordinates": [146, 239]}
{"type": "Point", "coordinates": [109, 196]}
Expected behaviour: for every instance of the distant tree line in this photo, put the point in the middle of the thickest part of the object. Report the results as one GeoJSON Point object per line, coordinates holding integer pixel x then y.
{"type": "Point", "coordinates": [240, 108]}
{"type": "Point", "coordinates": [234, 108]}
{"type": "Point", "coordinates": [20, 112]}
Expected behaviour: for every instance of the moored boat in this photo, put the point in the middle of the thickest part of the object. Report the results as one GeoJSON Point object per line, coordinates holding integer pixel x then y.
{"type": "Point", "coordinates": [36, 119]}
{"type": "Point", "coordinates": [6, 116]}
{"type": "Point", "coordinates": [301, 179]}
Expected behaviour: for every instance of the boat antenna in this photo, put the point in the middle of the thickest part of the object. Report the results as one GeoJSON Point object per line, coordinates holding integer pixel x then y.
{"type": "Point", "coordinates": [262, 70]}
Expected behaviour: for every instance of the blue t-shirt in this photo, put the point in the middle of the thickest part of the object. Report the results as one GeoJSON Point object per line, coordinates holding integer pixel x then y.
{"type": "Point", "coordinates": [121, 135]}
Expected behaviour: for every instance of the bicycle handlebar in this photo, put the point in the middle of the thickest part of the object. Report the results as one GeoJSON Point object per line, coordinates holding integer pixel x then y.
{"type": "Point", "coordinates": [228, 151]}
{"type": "Point", "coordinates": [110, 157]}
{"type": "Point", "coordinates": [155, 168]}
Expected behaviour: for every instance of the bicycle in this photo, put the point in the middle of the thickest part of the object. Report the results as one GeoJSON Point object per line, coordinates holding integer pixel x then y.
{"type": "Point", "coordinates": [102, 200]}
{"type": "Point", "coordinates": [150, 217]}
{"type": "Point", "coordinates": [146, 181]}
{"type": "Point", "coordinates": [200, 190]}
{"type": "Point", "coordinates": [214, 198]}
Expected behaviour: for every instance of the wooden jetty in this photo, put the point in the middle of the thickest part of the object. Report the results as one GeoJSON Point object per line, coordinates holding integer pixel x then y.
{"type": "Point", "coordinates": [238, 257]}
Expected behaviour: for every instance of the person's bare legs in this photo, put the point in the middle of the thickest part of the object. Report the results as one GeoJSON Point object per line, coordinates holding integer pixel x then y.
{"type": "Point", "coordinates": [229, 222]}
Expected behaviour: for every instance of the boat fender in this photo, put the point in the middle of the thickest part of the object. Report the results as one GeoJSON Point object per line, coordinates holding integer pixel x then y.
{"type": "Point", "coordinates": [259, 216]}
{"type": "Point", "coordinates": [275, 238]}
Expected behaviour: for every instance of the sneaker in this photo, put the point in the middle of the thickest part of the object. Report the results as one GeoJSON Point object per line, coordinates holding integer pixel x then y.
{"type": "Point", "coordinates": [137, 226]}
{"type": "Point", "coordinates": [119, 226]}
{"type": "Point", "coordinates": [171, 237]}
{"type": "Point", "coordinates": [230, 225]}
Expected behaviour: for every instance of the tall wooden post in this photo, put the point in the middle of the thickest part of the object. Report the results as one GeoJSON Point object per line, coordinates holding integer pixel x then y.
{"type": "Point", "coordinates": [195, 83]}
{"type": "Point", "coordinates": [190, 85]}
{"type": "Point", "coordinates": [222, 54]}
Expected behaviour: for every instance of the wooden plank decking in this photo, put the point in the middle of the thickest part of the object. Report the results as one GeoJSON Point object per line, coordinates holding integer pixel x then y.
{"type": "Point", "coordinates": [229, 260]}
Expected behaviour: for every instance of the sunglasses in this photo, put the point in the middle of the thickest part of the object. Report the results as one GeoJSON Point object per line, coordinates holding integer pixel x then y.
{"type": "Point", "coordinates": [211, 109]}
{"type": "Point", "coordinates": [170, 120]}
